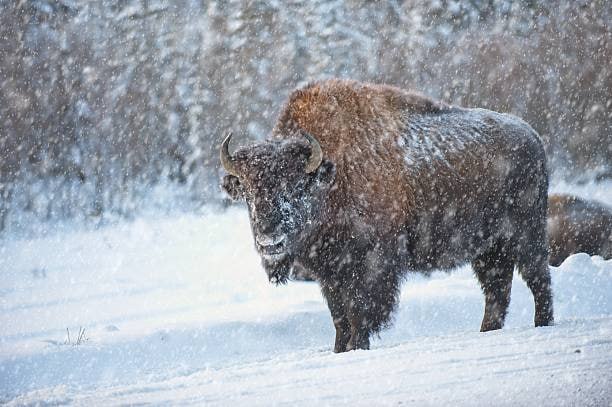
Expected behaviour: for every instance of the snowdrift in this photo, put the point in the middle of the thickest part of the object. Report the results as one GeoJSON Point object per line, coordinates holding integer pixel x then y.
{"type": "Point", "coordinates": [178, 310]}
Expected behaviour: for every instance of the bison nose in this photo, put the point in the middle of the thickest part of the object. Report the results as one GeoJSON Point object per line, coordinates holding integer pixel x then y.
{"type": "Point", "coordinates": [270, 245]}
{"type": "Point", "coordinates": [266, 240]}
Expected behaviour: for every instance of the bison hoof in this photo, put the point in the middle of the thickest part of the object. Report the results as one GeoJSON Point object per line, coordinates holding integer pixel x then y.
{"type": "Point", "coordinates": [358, 343]}
{"type": "Point", "coordinates": [490, 326]}
{"type": "Point", "coordinates": [544, 322]}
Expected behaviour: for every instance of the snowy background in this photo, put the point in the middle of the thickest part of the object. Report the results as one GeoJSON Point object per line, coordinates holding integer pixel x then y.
{"type": "Point", "coordinates": [126, 278]}
{"type": "Point", "coordinates": [112, 108]}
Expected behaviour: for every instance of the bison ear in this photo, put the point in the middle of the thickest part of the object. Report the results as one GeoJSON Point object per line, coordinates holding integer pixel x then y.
{"type": "Point", "coordinates": [326, 173]}
{"type": "Point", "coordinates": [231, 185]}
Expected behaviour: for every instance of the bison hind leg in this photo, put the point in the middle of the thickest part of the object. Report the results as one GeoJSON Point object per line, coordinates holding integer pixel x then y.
{"type": "Point", "coordinates": [536, 274]}
{"type": "Point", "coordinates": [494, 270]}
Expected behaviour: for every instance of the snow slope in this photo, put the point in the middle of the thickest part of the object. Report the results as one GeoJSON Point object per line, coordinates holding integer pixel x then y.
{"type": "Point", "coordinates": [177, 310]}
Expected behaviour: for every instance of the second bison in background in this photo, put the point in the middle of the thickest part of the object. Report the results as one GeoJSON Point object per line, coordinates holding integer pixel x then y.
{"type": "Point", "coordinates": [360, 183]}
{"type": "Point", "coordinates": [576, 225]}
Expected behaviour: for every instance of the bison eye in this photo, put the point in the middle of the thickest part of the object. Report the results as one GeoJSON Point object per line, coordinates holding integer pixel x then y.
{"type": "Point", "coordinates": [326, 173]}
{"type": "Point", "coordinates": [231, 185]}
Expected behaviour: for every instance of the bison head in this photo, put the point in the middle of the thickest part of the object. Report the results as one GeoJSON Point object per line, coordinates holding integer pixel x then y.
{"type": "Point", "coordinates": [285, 184]}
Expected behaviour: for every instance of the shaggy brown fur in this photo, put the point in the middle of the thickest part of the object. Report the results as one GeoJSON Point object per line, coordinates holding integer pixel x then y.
{"type": "Point", "coordinates": [406, 183]}
{"type": "Point", "coordinates": [344, 116]}
{"type": "Point", "coordinates": [576, 225]}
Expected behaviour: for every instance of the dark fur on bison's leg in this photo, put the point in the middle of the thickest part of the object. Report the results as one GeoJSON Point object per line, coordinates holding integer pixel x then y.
{"type": "Point", "coordinates": [533, 263]}
{"type": "Point", "coordinates": [494, 270]}
{"type": "Point", "coordinates": [338, 312]}
{"type": "Point", "coordinates": [537, 276]}
{"type": "Point", "coordinates": [343, 334]}
{"type": "Point", "coordinates": [374, 292]}
{"type": "Point", "coordinates": [360, 335]}
{"type": "Point", "coordinates": [358, 317]}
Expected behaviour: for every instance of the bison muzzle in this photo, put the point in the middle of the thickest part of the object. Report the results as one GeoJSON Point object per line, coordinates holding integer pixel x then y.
{"type": "Point", "coordinates": [360, 184]}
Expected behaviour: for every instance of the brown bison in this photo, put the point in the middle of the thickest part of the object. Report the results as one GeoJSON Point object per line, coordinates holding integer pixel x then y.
{"type": "Point", "coordinates": [576, 225]}
{"type": "Point", "coordinates": [360, 183]}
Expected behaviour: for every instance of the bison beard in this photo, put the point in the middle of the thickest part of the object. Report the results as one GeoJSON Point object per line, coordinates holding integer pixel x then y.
{"type": "Point", "coordinates": [278, 270]}
{"type": "Point", "coordinates": [362, 183]}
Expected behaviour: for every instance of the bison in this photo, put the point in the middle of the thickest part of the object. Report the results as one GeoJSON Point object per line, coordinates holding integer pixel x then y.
{"type": "Point", "coordinates": [361, 183]}
{"type": "Point", "coordinates": [576, 225]}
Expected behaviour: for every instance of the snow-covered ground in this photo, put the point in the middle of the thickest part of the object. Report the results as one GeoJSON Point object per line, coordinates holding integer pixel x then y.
{"type": "Point", "coordinates": [177, 310]}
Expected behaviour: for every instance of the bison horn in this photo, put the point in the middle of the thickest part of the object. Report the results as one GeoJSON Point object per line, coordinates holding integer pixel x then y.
{"type": "Point", "coordinates": [226, 159]}
{"type": "Point", "coordinates": [316, 154]}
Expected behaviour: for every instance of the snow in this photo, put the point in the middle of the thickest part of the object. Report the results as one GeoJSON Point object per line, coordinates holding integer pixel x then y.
{"type": "Point", "coordinates": [177, 310]}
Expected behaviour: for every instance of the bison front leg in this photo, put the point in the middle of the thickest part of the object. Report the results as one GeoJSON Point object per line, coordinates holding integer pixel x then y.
{"type": "Point", "coordinates": [360, 334]}
{"type": "Point", "coordinates": [359, 318]}
{"type": "Point", "coordinates": [343, 334]}
{"type": "Point", "coordinates": [372, 297]}
{"type": "Point", "coordinates": [337, 308]}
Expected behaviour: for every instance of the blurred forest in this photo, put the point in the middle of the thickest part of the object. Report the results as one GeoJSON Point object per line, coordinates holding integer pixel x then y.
{"type": "Point", "coordinates": [105, 102]}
